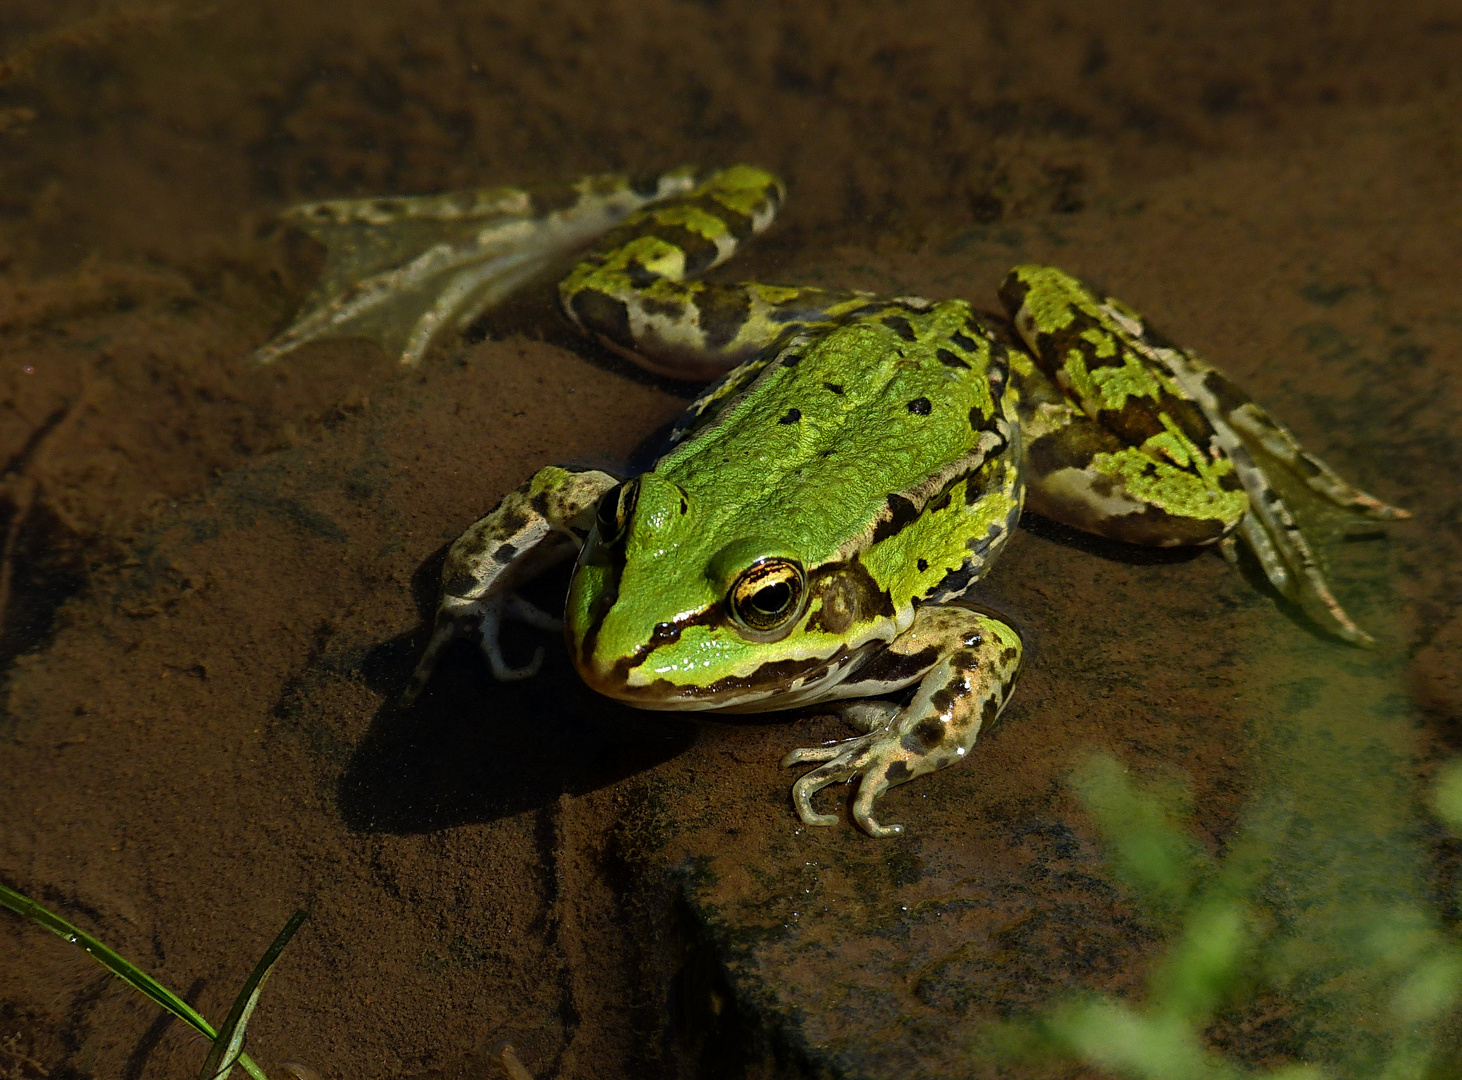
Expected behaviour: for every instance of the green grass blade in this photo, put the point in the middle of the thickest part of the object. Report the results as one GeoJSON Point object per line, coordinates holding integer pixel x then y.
{"type": "Point", "coordinates": [228, 1046]}
{"type": "Point", "coordinates": [123, 969]}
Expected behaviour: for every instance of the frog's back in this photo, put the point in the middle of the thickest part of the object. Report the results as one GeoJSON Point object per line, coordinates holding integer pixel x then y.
{"type": "Point", "coordinates": [847, 431]}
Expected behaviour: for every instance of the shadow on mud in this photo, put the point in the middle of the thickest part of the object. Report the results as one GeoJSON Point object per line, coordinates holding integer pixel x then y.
{"type": "Point", "coordinates": [474, 749]}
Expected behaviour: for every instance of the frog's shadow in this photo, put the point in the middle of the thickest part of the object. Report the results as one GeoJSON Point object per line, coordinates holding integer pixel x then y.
{"type": "Point", "coordinates": [472, 749]}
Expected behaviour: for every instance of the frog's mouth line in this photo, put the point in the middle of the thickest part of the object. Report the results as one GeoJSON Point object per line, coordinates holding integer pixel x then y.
{"type": "Point", "coordinates": [774, 685]}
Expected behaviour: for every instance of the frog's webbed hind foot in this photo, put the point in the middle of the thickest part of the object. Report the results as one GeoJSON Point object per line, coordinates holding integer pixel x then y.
{"type": "Point", "coordinates": [399, 270]}
{"type": "Point", "coordinates": [1296, 501]}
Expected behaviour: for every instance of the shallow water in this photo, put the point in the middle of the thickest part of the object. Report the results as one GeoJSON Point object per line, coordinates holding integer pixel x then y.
{"type": "Point", "coordinates": [215, 575]}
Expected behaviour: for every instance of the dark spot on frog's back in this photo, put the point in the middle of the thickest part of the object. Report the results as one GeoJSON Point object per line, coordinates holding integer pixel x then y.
{"type": "Point", "coordinates": [669, 309]}
{"type": "Point", "coordinates": [948, 359]}
{"type": "Point", "coordinates": [737, 223]}
{"type": "Point", "coordinates": [921, 406]}
{"type": "Point", "coordinates": [1013, 291]}
{"type": "Point", "coordinates": [836, 388]}
{"type": "Point", "coordinates": [793, 415]}
{"type": "Point", "coordinates": [954, 583]}
{"type": "Point", "coordinates": [462, 585]}
{"type": "Point", "coordinates": [899, 772]}
{"type": "Point", "coordinates": [640, 275]}
{"type": "Point", "coordinates": [968, 344]}
{"type": "Point", "coordinates": [990, 710]}
{"type": "Point", "coordinates": [923, 564]}
{"type": "Point", "coordinates": [1228, 396]}
{"type": "Point", "coordinates": [900, 326]}
{"type": "Point", "coordinates": [504, 553]}
{"type": "Point", "coordinates": [700, 252]}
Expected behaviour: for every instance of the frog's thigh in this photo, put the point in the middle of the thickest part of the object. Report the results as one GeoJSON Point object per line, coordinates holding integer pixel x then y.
{"type": "Point", "coordinates": [1082, 475]}
{"type": "Point", "coordinates": [541, 523]}
{"type": "Point", "coordinates": [975, 659]}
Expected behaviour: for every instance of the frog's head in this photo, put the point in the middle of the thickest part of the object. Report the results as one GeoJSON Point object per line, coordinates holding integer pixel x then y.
{"type": "Point", "coordinates": [665, 613]}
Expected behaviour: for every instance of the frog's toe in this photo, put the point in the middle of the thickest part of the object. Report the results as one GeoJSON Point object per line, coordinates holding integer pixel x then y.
{"type": "Point", "coordinates": [843, 762]}
{"type": "Point", "coordinates": [448, 627]}
{"type": "Point", "coordinates": [503, 671]}
{"type": "Point", "coordinates": [869, 789]}
{"type": "Point", "coordinates": [840, 763]}
{"type": "Point", "coordinates": [805, 754]}
{"type": "Point", "coordinates": [809, 785]}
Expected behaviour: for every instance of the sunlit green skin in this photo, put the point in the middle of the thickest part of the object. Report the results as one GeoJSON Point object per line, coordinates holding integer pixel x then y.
{"type": "Point", "coordinates": [880, 449]}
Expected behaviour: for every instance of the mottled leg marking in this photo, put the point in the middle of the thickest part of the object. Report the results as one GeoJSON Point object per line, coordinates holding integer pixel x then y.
{"type": "Point", "coordinates": [975, 659]}
{"type": "Point", "coordinates": [536, 526]}
{"type": "Point", "coordinates": [635, 291]}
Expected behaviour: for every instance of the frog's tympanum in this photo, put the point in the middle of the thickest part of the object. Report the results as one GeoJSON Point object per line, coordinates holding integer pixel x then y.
{"type": "Point", "coordinates": [824, 508]}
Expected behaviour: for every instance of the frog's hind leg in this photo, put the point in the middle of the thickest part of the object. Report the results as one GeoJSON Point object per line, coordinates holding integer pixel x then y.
{"type": "Point", "coordinates": [397, 270]}
{"type": "Point", "coordinates": [966, 661]}
{"type": "Point", "coordinates": [1081, 474]}
{"type": "Point", "coordinates": [636, 293]}
{"type": "Point", "coordinates": [1119, 380]}
{"type": "Point", "coordinates": [541, 523]}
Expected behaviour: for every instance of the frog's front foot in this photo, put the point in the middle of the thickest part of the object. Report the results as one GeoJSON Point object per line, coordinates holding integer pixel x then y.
{"type": "Point", "coordinates": [975, 660]}
{"type": "Point", "coordinates": [483, 616]}
{"type": "Point", "coordinates": [539, 524]}
{"type": "Point", "coordinates": [870, 757]}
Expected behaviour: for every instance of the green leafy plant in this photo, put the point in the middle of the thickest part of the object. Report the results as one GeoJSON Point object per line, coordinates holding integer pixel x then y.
{"type": "Point", "coordinates": [227, 1042]}
{"type": "Point", "coordinates": [1225, 943]}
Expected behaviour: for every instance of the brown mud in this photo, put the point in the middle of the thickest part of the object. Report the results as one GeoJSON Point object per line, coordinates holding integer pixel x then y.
{"type": "Point", "coordinates": [214, 575]}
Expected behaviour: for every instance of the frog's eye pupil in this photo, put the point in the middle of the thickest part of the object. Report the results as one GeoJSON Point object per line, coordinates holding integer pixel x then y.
{"type": "Point", "coordinates": [774, 599]}
{"type": "Point", "coordinates": [767, 596]}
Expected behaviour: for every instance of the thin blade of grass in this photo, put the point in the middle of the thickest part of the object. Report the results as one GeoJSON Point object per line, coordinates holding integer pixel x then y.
{"type": "Point", "coordinates": [119, 966]}
{"type": "Point", "coordinates": [228, 1046]}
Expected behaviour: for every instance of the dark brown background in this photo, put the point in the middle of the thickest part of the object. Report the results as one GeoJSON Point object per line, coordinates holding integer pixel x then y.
{"type": "Point", "coordinates": [208, 567]}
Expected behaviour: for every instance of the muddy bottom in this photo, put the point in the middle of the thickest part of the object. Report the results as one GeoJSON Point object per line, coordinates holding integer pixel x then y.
{"type": "Point", "coordinates": [216, 577]}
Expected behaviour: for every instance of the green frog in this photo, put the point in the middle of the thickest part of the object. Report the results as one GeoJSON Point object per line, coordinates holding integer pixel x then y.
{"type": "Point", "coordinates": [814, 530]}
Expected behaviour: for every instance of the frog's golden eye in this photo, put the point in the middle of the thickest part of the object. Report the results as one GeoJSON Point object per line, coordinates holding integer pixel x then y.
{"type": "Point", "coordinates": [768, 595]}
{"type": "Point", "coordinates": [616, 507]}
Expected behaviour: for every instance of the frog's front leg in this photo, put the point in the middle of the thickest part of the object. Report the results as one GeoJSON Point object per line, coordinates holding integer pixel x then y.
{"type": "Point", "coordinates": [972, 662]}
{"type": "Point", "coordinates": [542, 523]}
